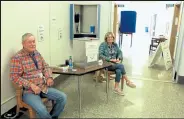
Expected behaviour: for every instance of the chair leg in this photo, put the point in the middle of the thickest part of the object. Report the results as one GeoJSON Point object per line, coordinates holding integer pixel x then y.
{"type": "Point", "coordinates": [32, 113]}
{"type": "Point", "coordinates": [17, 109]}
{"type": "Point", "coordinates": [50, 106]}
{"type": "Point", "coordinates": [53, 103]}
{"type": "Point", "coordinates": [96, 78]}
{"type": "Point", "coordinates": [109, 77]}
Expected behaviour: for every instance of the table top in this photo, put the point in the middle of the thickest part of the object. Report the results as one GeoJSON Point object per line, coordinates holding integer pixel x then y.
{"type": "Point", "coordinates": [159, 38]}
{"type": "Point", "coordinates": [80, 71]}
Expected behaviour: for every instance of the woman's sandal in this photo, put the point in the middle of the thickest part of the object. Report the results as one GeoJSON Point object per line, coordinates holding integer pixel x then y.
{"type": "Point", "coordinates": [119, 92]}
{"type": "Point", "coordinates": [130, 84]}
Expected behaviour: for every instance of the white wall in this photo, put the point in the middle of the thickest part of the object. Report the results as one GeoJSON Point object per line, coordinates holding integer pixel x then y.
{"type": "Point", "coordinates": [179, 45]}
{"type": "Point", "coordinates": [179, 53]}
{"type": "Point", "coordinates": [60, 49]}
{"type": "Point", "coordinates": [20, 17]}
{"type": "Point", "coordinates": [145, 11]}
{"type": "Point", "coordinates": [181, 61]}
{"type": "Point", "coordinates": [89, 17]}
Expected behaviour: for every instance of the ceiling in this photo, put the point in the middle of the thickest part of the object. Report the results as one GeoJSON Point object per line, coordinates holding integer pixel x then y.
{"type": "Point", "coordinates": [164, 2]}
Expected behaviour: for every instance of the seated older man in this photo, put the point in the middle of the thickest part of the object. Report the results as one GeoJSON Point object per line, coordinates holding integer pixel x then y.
{"type": "Point", "coordinates": [29, 69]}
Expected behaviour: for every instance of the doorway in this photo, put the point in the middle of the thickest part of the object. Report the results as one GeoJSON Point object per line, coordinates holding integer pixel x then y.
{"type": "Point", "coordinates": [175, 28]}
{"type": "Point", "coordinates": [151, 15]}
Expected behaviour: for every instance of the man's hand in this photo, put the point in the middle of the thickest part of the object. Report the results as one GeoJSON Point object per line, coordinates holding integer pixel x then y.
{"type": "Point", "coordinates": [35, 88]}
{"type": "Point", "coordinates": [50, 82]}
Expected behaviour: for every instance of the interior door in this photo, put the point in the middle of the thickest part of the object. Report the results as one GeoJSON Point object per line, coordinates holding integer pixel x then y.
{"type": "Point", "coordinates": [115, 19]}
{"type": "Point", "coordinates": [175, 26]}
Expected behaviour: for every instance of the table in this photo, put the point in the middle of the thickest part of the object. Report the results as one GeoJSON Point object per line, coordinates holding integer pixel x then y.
{"type": "Point", "coordinates": [80, 72]}
{"type": "Point", "coordinates": [159, 39]}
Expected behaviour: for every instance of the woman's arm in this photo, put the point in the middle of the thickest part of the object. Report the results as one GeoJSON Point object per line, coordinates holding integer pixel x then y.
{"type": "Point", "coordinates": [102, 52]}
{"type": "Point", "coordinates": [119, 54]}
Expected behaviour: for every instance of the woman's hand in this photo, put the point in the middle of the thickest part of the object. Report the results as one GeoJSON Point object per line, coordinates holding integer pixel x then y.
{"type": "Point", "coordinates": [113, 60]}
{"type": "Point", "coordinates": [118, 61]}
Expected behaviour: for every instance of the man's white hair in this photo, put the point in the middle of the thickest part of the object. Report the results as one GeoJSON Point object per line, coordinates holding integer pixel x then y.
{"type": "Point", "coordinates": [26, 35]}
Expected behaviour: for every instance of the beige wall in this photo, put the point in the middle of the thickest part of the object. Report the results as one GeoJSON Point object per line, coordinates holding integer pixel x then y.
{"type": "Point", "coordinates": [20, 17]}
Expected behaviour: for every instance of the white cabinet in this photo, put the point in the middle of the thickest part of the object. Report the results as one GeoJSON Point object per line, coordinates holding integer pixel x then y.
{"type": "Point", "coordinates": [85, 51]}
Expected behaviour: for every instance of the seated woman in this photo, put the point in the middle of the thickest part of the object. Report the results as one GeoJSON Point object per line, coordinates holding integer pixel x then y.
{"type": "Point", "coordinates": [110, 52]}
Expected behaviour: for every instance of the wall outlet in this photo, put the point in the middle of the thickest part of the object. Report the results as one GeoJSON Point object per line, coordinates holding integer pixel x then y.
{"type": "Point", "coordinates": [59, 34]}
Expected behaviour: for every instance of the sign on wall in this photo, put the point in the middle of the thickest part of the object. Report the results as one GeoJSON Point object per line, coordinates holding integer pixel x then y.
{"type": "Point", "coordinates": [40, 33]}
{"type": "Point", "coordinates": [121, 5]}
{"type": "Point", "coordinates": [169, 5]}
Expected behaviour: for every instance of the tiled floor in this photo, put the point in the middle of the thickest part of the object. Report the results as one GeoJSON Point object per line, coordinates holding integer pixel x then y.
{"type": "Point", "coordinates": [156, 96]}
{"type": "Point", "coordinates": [150, 99]}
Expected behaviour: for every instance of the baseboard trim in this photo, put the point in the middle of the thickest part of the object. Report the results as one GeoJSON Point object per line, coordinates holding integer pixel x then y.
{"type": "Point", "coordinates": [8, 105]}
{"type": "Point", "coordinates": [180, 80]}
{"type": "Point", "coordinates": [4, 102]}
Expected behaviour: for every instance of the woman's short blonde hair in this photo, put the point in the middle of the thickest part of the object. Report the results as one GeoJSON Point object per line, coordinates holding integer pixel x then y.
{"type": "Point", "coordinates": [108, 34]}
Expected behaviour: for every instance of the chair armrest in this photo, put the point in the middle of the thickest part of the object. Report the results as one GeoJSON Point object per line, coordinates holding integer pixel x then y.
{"type": "Point", "coordinates": [17, 87]}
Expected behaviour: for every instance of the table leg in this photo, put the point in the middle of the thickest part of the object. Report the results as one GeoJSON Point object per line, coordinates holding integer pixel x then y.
{"type": "Point", "coordinates": [107, 84]}
{"type": "Point", "coordinates": [106, 79]}
{"type": "Point", "coordinates": [79, 93]}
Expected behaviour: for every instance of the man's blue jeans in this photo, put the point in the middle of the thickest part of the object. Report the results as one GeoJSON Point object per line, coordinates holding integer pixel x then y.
{"type": "Point", "coordinates": [36, 103]}
{"type": "Point", "coordinates": [119, 70]}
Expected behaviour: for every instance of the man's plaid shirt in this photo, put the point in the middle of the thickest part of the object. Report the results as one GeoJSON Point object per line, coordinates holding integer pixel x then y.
{"type": "Point", "coordinates": [23, 70]}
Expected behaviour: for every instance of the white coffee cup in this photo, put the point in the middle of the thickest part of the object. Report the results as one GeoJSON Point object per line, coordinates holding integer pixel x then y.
{"type": "Point", "coordinates": [100, 62]}
{"type": "Point", "coordinates": [65, 69]}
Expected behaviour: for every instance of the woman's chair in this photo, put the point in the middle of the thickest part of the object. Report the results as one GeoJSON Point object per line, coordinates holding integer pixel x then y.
{"type": "Point", "coordinates": [110, 73]}
{"type": "Point", "coordinates": [110, 77]}
{"type": "Point", "coordinates": [21, 104]}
